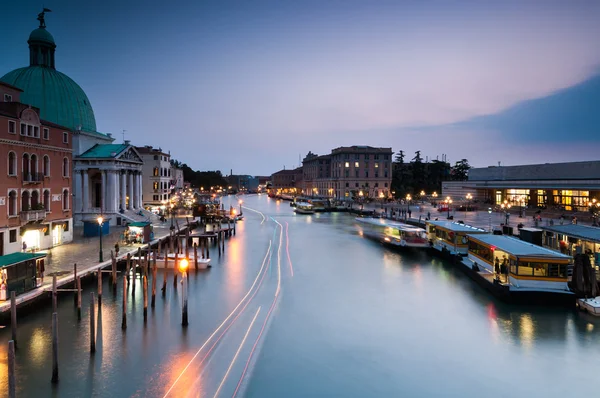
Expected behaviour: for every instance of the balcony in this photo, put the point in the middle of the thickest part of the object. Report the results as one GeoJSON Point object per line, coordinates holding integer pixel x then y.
{"type": "Point", "coordinates": [33, 215]}
{"type": "Point", "coordinates": [33, 178]}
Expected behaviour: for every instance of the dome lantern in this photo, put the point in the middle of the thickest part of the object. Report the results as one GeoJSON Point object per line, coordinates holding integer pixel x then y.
{"type": "Point", "coordinates": [41, 44]}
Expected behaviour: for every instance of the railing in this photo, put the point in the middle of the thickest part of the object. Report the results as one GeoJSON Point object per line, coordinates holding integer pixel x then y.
{"type": "Point", "coordinates": [33, 178]}
{"type": "Point", "coordinates": [33, 215]}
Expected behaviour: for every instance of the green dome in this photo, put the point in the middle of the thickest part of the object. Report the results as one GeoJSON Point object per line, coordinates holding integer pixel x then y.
{"type": "Point", "coordinates": [59, 98]}
{"type": "Point", "coordinates": [41, 34]}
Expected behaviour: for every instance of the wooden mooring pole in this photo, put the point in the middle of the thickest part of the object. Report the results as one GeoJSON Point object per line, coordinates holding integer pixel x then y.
{"type": "Point", "coordinates": [54, 293]}
{"type": "Point", "coordinates": [92, 323]}
{"type": "Point", "coordinates": [75, 282]}
{"type": "Point", "coordinates": [99, 286]}
{"type": "Point", "coordinates": [175, 271]}
{"type": "Point", "coordinates": [196, 256]}
{"type": "Point", "coordinates": [145, 287]}
{"type": "Point", "coordinates": [114, 272]}
{"type": "Point", "coordinates": [13, 316]}
{"type": "Point", "coordinates": [124, 318]}
{"type": "Point", "coordinates": [55, 347]}
{"type": "Point", "coordinates": [12, 386]}
{"type": "Point", "coordinates": [153, 301]}
{"type": "Point", "coordinates": [128, 266]}
{"type": "Point", "coordinates": [78, 298]}
{"type": "Point", "coordinates": [164, 287]}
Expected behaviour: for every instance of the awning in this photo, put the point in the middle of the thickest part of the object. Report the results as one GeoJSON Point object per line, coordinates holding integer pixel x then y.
{"type": "Point", "coordinates": [33, 227]}
{"type": "Point", "coordinates": [139, 224]}
{"type": "Point", "coordinates": [16, 258]}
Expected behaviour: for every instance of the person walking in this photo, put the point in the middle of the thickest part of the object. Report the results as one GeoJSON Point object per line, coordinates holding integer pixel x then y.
{"type": "Point", "coordinates": [117, 249]}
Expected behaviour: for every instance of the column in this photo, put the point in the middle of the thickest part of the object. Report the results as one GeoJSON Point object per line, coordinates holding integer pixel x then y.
{"type": "Point", "coordinates": [140, 191]}
{"type": "Point", "coordinates": [135, 189]}
{"type": "Point", "coordinates": [85, 202]}
{"type": "Point", "coordinates": [130, 191]}
{"type": "Point", "coordinates": [111, 191]}
{"type": "Point", "coordinates": [123, 190]}
{"type": "Point", "coordinates": [103, 204]}
{"type": "Point", "coordinates": [78, 191]}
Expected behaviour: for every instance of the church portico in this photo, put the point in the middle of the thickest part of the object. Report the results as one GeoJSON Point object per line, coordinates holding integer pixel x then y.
{"type": "Point", "coordinates": [107, 179]}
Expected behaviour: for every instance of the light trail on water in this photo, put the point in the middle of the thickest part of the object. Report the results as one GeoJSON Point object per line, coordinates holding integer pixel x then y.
{"type": "Point", "coordinates": [221, 325]}
{"type": "Point", "coordinates": [287, 248]}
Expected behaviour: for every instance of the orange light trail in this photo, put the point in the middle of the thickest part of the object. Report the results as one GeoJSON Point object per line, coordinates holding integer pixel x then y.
{"type": "Point", "coordinates": [221, 325]}
{"type": "Point", "coordinates": [237, 353]}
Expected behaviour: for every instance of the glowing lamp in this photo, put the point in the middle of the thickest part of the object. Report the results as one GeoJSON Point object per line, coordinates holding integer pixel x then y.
{"type": "Point", "coordinates": [183, 264]}
{"type": "Point", "coordinates": [100, 220]}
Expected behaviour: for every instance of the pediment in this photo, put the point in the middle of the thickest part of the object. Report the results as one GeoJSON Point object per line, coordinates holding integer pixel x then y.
{"type": "Point", "coordinates": [131, 155]}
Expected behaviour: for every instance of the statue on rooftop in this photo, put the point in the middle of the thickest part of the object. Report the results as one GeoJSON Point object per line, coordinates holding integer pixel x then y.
{"type": "Point", "coordinates": [41, 17]}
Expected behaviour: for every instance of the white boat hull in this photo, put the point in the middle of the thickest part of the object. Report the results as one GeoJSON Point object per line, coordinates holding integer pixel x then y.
{"type": "Point", "coordinates": [591, 305]}
{"type": "Point", "coordinates": [303, 211]}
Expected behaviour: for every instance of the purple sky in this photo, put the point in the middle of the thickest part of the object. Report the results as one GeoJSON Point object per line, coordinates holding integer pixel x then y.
{"type": "Point", "coordinates": [249, 86]}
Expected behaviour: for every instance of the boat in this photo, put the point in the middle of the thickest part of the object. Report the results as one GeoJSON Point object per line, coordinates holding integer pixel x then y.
{"type": "Point", "coordinates": [590, 305]}
{"type": "Point", "coordinates": [450, 237]}
{"type": "Point", "coordinates": [517, 271]}
{"type": "Point", "coordinates": [393, 233]}
{"type": "Point", "coordinates": [304, 208]}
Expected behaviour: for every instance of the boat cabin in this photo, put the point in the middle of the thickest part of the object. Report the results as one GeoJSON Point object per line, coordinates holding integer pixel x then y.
{"type": "Point", "coordinates": [573, 239]}
{"type": "Point", "coordinates": [139, 232]}
{"type": "Point", "coordinates": [20, 272]}
{"type": "Point", "coordinates": [393, 233]}
{"type": "Point", "coordinates": [450, 236]}
{"type": "Point", "coordinates": [519, 265]}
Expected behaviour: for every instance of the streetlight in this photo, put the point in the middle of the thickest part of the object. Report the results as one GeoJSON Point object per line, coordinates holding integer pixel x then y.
{"type": "Point", "coordinates": [469, 197]}
{"type": "Point", "coordinates": [172, 215]}
{"type": "Point", "coordinates": [100, 221]}
{"type": "Point", "coordinates": [490, 213]}
{"type": "Point", "coordinates": [422, 194]}
{"type": "Point", "coordinates": [522, 205]}
{"type": "Point", "coordinates": [448, 202]}
{"type": "Point", "coordinates": [505, 207]}
{"type": "Point", "coordinates": [360, 194]}
{"type": "Point", "coordinates": [183, 266]}
{"type": "Point", "coordinates": [434, 195]}
{"type": "Point", "coordinates": [594, 205]}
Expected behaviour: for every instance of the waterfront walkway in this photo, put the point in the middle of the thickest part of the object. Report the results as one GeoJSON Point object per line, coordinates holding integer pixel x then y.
{"type": "Point", "coordinates": [85, 252]}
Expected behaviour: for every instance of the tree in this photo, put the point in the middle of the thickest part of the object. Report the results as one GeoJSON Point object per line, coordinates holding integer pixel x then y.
{"type": "Point", "coordinates": [460, 170]}
{"type": "Point", "coordinates": [399, 157]}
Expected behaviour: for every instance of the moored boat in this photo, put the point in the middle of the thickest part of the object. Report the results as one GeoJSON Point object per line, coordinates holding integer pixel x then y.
{"type": "Point", "coordinates": [304, 208]}
{"type": "Point", "coordinates": [590, 305]}
{"type": "Point", "coordinates": [518, 271]}
{"type": "Point", "coordinates": [393, 233]}
{"type": "Point", "coordinates": [450, 237]}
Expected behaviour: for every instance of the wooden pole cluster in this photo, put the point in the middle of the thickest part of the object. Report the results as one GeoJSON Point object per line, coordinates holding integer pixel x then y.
{"type": "Point", "coordinates": [78, 298]}
{"type": "Point", "coordinates": [164, 287]}
{"type": "Point", "coordinates": [153, 280]}
{"type": "Point", "coordinates": [92, 324]}
{"type": "Point", "coordinates": [145, 288]}
{"type": "Point", "coordinates": [124, 318]}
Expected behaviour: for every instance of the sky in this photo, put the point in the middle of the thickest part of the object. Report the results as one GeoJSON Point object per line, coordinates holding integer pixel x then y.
{"type": "Point", "coordinates": [251, 86]}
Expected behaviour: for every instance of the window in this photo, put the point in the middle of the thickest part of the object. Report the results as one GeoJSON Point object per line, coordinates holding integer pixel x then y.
{"type": "Point", "coordinates": [12, 163]}
{"type": "Point", "coordinates": [376, 165]}
{"type": "Point", "coordinates": [366, 156]}
{"type": "Point", "coordinates": [47, 200]}
{"type": "Point", "coordinates": [376, 185]}
{"type": "Point", "coordinates": [25, 205]}
{"type": "Point", "coordinates": [347, 185]}
{"type": "Point", "coordinates": [356, 174]}
{"type": "Point", "coordinates": [65, 167]}
{"type": "Point", "coordinates": [356, 164]}
{"type": "Point", "coordinates": [12, 127]}
{"type": "Point", "coordinates": [155, 185]}
{"type": "Point", "coordinates": [46, 166]}
{"type": "Point", "coordinates": [385, 184]}
{"type": "Point", "coordinates": [46, 134]}
{"type": "Point", "coordinates": [376, 175]}
{"type": "Point", "coordinates": [23, 129]}
{"type": "Point", "coordinates": [155, 157]}
{"type": "Point", "coordinates": [29, 131]}
{"type": "Point", "coordinates": [385, 174]}
{"type": "Point", "coordinates": [7, 98]}
{"type": "Point", "coordinates": [12, 203]}
{"type": "Point", "coordinates": [155, 172]}
{"type": "Point", "coordinates": [376, 157]}
{"type": "Point", "coordinates": [65, 199]}
{"type": "Point", "coordinates": [12, 236]}
{"type": "Point", "coordinates": [65, 137]}
{"type": "Point", "coordinates": [356, 185]}
{"type": "Point", "coordinates": [36, 132]}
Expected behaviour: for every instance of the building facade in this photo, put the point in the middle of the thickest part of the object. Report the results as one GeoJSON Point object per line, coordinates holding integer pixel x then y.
{"type": "Point", "coordinates": [286, 182]}
{"type": "Point", "coordinates": [571, 186]}
{"type": "Point", "coordinates": [101, 169]}
{"type": "Point", "coordinates": [176, 179]}
{"type": "Point", "coordinates": [316, 175]}
{"type": "Point", "coordinates": [360, 169]}
{"type": "Point", "coordinates": [35, 182]}
{"type": "Point", "coordinates": [157, 178]}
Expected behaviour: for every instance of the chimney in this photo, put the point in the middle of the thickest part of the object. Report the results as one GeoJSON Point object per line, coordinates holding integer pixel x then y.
{"type": "Point", "coordinates": [127, 142]}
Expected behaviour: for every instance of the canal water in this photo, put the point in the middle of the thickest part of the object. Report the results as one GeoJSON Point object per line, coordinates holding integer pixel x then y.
{"type": "Point", "coordinates": [304, 306]}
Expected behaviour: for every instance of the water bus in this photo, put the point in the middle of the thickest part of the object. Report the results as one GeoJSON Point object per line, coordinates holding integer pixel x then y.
{"type": "Point", "coordinates": [393, 233]}
{"type": "Point", "coordinates": [303, 208]}
{"type": "Point", "coordinates": [518, 271]}
{"type": "Point", "coordinates": [450, 237]}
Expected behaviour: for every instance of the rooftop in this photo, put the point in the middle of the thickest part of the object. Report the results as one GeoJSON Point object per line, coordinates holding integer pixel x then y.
{"type": "Point", "coordinates": [518, 247]}
{"type": "Point", "coordinates": [584, 232]}
{"type": "Point", "coordinates": [456, 226]}
{"type": "Point", "coordinates": [361, 149]}
{"type": "Point", "coordinates": [104, 151]}
{"type": "Point", "coordinates": [547, 171]}
{"type": "Point", "coordinates": [19, 257]}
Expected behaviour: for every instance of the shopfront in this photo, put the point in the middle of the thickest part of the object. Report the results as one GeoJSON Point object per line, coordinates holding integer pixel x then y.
{"type": "Point", "coordinates": [20, 272]}
{"type": "Point", "coordinates": [139, 232]}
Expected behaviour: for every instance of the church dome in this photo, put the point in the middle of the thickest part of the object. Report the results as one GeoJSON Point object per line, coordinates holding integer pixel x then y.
{"type": "Point", "coordinates": [41, 34]}
{"type": "Point", "coordinates": [59, 98]}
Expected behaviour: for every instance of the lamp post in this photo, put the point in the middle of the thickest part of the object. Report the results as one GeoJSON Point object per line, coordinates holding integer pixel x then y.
{"type": "Point", "coordinates": [505, 207]}
{"type": "Point", "coordinates": [448, 202]}
{"type": "Point", "coordinates": [490, 213]}
{"type": "Point", "coordinates": [469, 197]}
{"type": "Point", "coordinates": [434, 195]}
{"type": "Point", "coordinates": [408, 199]}
{"type": "Point", "coordinates": [100, 221]}
{"type": "Point", "coordinates": [183, 266]}
{"type": "Point", "coordinates": [594, 205]}
{"type": "Point", "coordinates": [172, 216]}
{"type": "Point", "coordinates": [522, 205]}
{"type": "Point", "coordinates": [422, 194]}
{"type": "Point", "coordinates": [360, 194]}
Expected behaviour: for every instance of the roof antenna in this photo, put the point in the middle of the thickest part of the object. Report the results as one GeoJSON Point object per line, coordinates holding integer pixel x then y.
{"type": "Point", "coordinates": [123, 133]}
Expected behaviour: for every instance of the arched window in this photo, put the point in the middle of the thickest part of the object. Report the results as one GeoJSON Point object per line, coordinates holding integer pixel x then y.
{"type": "Point", "coordinates": [26, 169]}
{"type": "Point", "coordinates": [33, 167]}
{"type": "Point", "coordinates": [25, 201]}
{"type": "Point", "coordinates": [12, 203]}
{"type": "Point", "coordinates": [35, 199]}
{"type": "Point", "coordinates": [65, 167]}
{"type": "Point", "coordinates": [47, 200]}
{"type": "Point", "coordinates": [46, 166]}
{"type": "Point", "coordinates": [12, 163]}
{"type": "Point", "coordinates": [65, 199]}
